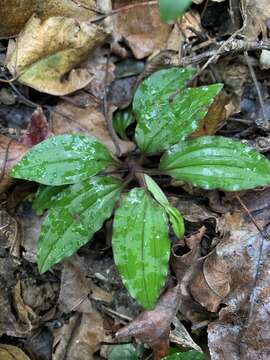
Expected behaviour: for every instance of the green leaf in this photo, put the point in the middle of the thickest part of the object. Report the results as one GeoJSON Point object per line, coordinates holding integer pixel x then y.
{"type": "Point", "coordinates": [215, 162]}
{"type": "Point", "coordinates": [162, 122]}
{"type": "Point", "coordinates": [123, 352]}
{"type": "Point", "coordinates": [175, 216]}
{"type": "Point", "coordinates": [177, 221]}
{"type": "Point", "coordinates": [46, 197]}
{"type": "Point", "coordinates": [188, 355]}
{"type": "Point", "coordinates": [121, 120]}
{"type": "Point", "coordinates": [81, 211]}
{"type": "Point", "coordinates": [63, 159]}
{"type": "Point", "coordinates": [141, 246]}
{"type": "Point", "coordinates": [172, 9]}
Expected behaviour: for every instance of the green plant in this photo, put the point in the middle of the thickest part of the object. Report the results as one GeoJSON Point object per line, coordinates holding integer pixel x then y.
{"type": "Point", "coordinates": [80, 196]}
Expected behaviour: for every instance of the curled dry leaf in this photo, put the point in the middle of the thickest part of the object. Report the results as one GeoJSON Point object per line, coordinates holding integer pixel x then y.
{"type": "Point", "coordinates": [152, 327]}
{"type": "Point", "coordinates": [73, 120]}
{"type": "Point", "coordinates": [140, 27]}
{"type": "Point", "coordinates": [10, 352]}
{"type": "Point", "coordinates": [185, 253]}
{"type": "Point", "coordinates": [46, 54]}
{"type": "Point", "coordinates": [14, 16]}
{"type": "Point", "coordinates": [228, 276]}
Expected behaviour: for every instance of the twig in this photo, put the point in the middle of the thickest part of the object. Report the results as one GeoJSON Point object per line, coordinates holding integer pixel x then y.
{"type": "Point", "coordinates": [108, 114]}
{"type": "Point", "coordinates": [125, 8]}
{"type": "Point", "coordinates": [252, 73]}
{"type": "Point", "coordinates": [236, 46]}
{"type": "Point", "coordinates": [2, 173]}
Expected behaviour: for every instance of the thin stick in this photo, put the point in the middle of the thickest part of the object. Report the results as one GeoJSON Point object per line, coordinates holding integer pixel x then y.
{"type": "Point", "coordinates": [125, 8]}
{"type": "Point", "coordinates": [108, 114]}
{"type": "Point", "coordinates": [252, 73]}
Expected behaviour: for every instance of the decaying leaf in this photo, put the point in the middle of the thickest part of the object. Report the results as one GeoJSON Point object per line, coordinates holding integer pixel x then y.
{"type": "Point", "coordinates": [180, 336]}
{"type": "Point", "coordinates": [80, 338]}
{"type": "Point", "coordinates": [76, 289]}
{"type": "Point", "coordinates": [141, 28]}
{"type": "Point", "coordinates": [8, 321]}
{"type": "Point", "coordinates": [11, 153]}
{"type": "Point", "coordinates": [37, 130]}
{"type": "Point", "coordinates": [10, 352]}
{"type": "Point", "coordinates": [74, 120]}
{"type": "Point", "coordinates": [14, 16]}
{"type": "Point", "coordinates": [9, 233]}
{"type": "Point", "coordinates": [255, 14]}
{"type": "Point", "coordinates": [152, 327]}
{"type": "Point", "coordinates": [46, 54]}
{"type": "Point", "coordinates": [227, 277]}
{"type": "Point", "coordinates": [219, 111]}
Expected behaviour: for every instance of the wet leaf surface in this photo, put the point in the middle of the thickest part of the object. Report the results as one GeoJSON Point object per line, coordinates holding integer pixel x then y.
{"type": "Point", "coordinates": [141, 253]}
{"type": "Point", "coordinates": [58, 160]}
{"type": "Point", "coordinates": [79, 212]}
{"type": "Point", "coordinates": [216, 162]}
{"type": "Point", "coordinates": [163, 121]}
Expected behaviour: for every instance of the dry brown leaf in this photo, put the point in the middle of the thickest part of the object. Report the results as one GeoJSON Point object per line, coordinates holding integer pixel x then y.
{"type": "Point", "coordinates": [10, 352]}
{"type": "Point", "coordinates": [255, 14]}
{"type": "Point", "coordinates": [8, 323]}
{"type": "Point", "coordinates": [47, 53]}
{"type": "Point", "coordinates": [153, 327]}
{"type": "Point", "coordinates": [185, 253]}
{"type": "Point", "coordinates": [217, 113]}
{"type": "Point", "coordinates": [76, 289]}
{"type": "Point", "coordinates": [88, 121]}
{"type": "Point", "coordinates": [80, 338]}
{"type": "Point", "coordinates": [141, 28]}
{"type": "Point", "coordinates": [11, 153]}
{"type": "Point", "coordinates": [14, 16]}
{"type": "Point", "coordinates": [9, 233]}
{"type": "Point", "coordinates": [24, 312]}
{"type": "Point", "coordinates": [227, 276]}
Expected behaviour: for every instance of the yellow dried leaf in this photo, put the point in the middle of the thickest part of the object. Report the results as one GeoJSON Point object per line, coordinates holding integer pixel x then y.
{"type": "Point", "coordinates": [14, 14]}
{"type": "Point", "coordinates": [10, 352]}
{"type": "Point", "coordinates": [47, 52]}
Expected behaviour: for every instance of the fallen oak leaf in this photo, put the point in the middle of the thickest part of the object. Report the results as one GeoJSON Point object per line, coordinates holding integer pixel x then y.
{"type": "Point", "coordinates": [141, 27]}
{"type": "Point", "coordinates": [47, 53]}
{"type": "Point", "coordinates": [152, 327]}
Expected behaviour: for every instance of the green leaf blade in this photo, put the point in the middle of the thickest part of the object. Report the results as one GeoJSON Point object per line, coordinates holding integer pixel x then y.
{"type": "Point", "coordinates": [123, 352]}
{"type": "Point", "coordinates": [163, 122]}
{"type": "Point", "coordinates": [215, 162]}
{"type": "Point", "coordinates": [141, 246]}
{"type": "Point", "coordinates": [172, 9]}
{"type": "Point", "coordinates": [174, 214]}
{"type": "Point", "coordinates": [81, 211]}
{"type": "Point", "coordinates": [63, 159]}
{"type": "Point", "coordinates": [46, 197]}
